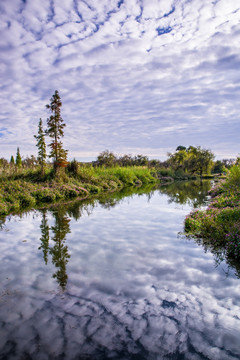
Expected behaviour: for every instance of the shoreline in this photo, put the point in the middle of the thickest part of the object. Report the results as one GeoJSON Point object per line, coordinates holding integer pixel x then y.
{"type": "Point", "coordinates": [218, 226]}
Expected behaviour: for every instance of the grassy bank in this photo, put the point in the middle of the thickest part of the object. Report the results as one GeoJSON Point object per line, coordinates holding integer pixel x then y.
{"type": "Point", "coordinates": [219, 224]}
{"type": "Point", "coordinates": [27, 189]}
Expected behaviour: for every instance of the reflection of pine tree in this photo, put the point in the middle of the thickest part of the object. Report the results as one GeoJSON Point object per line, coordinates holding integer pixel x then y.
{"type": "Point", "coordinates": [45, 237]}
{"type": "Point", "coordinates": [59, 251]}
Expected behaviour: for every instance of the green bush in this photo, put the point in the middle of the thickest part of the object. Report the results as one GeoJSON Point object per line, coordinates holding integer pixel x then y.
{"type": "Point", "coordinates": [233, 176]}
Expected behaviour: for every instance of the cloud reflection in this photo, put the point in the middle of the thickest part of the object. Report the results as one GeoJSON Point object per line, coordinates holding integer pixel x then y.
{"type": "Point", "coordinates": [135, 290]}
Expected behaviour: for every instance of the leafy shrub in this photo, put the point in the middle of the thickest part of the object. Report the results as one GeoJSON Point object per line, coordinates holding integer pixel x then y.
{"type": "Point", "coordinates": [72, 167]}
{"type": "Point", "coordinates": [233, 176]}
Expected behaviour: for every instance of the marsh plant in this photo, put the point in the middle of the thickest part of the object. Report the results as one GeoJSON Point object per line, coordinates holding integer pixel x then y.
{"type": "Point", "coordinates": [219, 224]}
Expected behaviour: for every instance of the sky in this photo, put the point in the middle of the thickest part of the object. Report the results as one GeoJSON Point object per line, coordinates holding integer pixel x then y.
{"type": "Point", "coordinates": [134, 76]}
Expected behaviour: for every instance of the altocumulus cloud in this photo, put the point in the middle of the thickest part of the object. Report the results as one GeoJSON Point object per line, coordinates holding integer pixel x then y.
{"type": "Point", "coordinates": [135, 76]}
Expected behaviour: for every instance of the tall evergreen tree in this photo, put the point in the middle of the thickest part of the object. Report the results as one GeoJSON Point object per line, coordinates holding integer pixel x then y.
{"type": "Point", "coordinates": [18, 158]}
{"type": "Point", "coordinates": [42, 154]}
{"type": "Point", "coordinates": [56, 125]}
{"type": "Point", "coordinates": [12, 162]}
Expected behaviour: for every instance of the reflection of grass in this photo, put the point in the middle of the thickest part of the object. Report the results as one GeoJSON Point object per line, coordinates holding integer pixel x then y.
{"type": "Point", "coordinates": [219, 225]}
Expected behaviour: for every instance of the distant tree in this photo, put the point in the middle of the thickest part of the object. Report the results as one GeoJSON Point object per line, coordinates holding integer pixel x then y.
{"type": "Point", "coordinates": [56, 125]}
{"type": "Point", "coordinates": [178, 159]}
{"type": "Point", "coordinates": [218, 167]}
{"type": "Point", "coordinates": [192, 160]}
{"type": "Point", "coordinates": [140, 160]}
{"type": "Point", "coordinates": [125, 160]}
{"type": "Point", "coordinates": [18, 158]}
{"type": "Point", "coordinates": [199, 160]}
{"type": "Point", "coordinates": [204, 160]}
{"type": "Point", "coordinates": [180, 147]}
{"type": "Point", "coordinates": [42, 154]}
{"type": "Point", "coordinates": [106, 158]}
{"type": "Point", "coordinates": [30, 161]}
{"type": "Point", "coordinates": [3, 163]}
{"type": "Point", "coordinates": [229, 162]}
{"type": "Point", "coordinates": [12, 162]}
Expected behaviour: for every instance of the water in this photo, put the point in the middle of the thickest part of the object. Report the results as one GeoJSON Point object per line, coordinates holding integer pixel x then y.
{"type": "Point", "coordinates": [113, 279]}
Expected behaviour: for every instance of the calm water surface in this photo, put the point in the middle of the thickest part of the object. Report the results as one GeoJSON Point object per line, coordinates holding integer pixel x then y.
{"type": "Point", "coordinates": [113, 279]}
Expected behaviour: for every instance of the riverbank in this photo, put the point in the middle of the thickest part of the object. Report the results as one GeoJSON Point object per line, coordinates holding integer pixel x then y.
{"type": "Point", "coordinates": [29, 190]}
{"type": "Point", "coordinates": [219, 225]}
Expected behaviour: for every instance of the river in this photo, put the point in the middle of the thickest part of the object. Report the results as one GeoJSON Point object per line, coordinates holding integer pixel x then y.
{"type": "Point", "coordinates": [114, 278]}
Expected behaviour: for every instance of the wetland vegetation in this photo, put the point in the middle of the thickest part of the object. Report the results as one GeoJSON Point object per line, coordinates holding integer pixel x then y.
{"type": "Point", "coordinates": [36, 183]}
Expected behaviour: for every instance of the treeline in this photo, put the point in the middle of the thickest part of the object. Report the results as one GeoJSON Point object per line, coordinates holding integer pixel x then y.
{"type": "Point", "coordinates": [183, 162]}
{"type": "Point", "coordinates": [191, 160]}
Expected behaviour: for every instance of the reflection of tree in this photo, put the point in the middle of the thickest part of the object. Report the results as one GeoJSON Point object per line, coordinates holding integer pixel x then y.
{"type": "Point", "coordinates": [219, 254]}
{"type": "Point", "coordinates": [45, 237]}
{"type": "Point", "coordinates": [108, 201]}
{"type": "Point", "coordinates": [188, 192]}
{"type": "Point", "coordinates": [76, 209]}
{"type": "Point", "coordinates": [59, 251]}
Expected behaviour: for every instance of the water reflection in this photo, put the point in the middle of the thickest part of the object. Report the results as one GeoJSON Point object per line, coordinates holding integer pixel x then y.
{"type": "Point", "coordinates": [59, 251]}
{"type": "Point", "coordinates": [193, 193]}
{"type": "Point", "coordinates": [62, 215]}
{"type": "Point", "coordinates": [132, 288]}
{"type": "Point", "coordinates": [44, 239]}
{"type": "Point", "coordinates": [219, 255]}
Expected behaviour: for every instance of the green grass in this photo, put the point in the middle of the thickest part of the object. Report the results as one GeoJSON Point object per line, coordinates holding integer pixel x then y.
{"type": "Point", "coordinates": [25, 188]}
{"type": "Point", "coordinates": [219, 224]}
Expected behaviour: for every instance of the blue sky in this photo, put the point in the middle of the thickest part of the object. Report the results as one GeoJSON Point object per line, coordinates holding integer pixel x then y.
{"type": "Point", "coordinates": [135, 76]}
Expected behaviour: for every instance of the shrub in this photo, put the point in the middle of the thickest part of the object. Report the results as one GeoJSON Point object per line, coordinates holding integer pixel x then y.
{"type": "Point", "coordinates": [233, 176]}
{"type": "Point", "coordinates": [72, 167]}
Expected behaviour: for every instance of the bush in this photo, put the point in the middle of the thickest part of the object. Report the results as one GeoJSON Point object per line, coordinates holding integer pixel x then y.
{"type": "Point", "coordinates": [233, 176]}
{"type": "Point", "coordinates": [72, 167]}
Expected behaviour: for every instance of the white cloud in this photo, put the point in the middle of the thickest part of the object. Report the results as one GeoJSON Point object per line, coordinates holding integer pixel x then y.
{"type": "Point", "coordinates": [128, 68]}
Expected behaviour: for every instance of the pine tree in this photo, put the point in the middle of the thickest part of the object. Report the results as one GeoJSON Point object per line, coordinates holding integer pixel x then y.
{"type": "Point", "coordinates": [41, 146]}
{"type": "Point", "coordinates": [55, 131]}
{"type": "Point", "coordinates": [18, 158]}
{"type": "Point", "coordinates": [12, 162]}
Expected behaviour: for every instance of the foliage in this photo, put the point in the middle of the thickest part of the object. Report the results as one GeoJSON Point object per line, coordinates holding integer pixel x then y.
{"type": "Point", "coordinates": [28, 189]}
{"type": "Point", "coordinates": [106, 158]}
{"type": "Point", "coordinates": [219, 224]}
{"type": "Point", "coordinates": [18, 158]}
{"type": "Point", "coordinates": [72, 167]}
{"type": "Point", "coordinates": [233, 176]}
{"type": "Point", "coordinates": [42, 154]}
{"type": "Point", "coordinates": [55, 131]}
{"type": "Point", "coordinates": [218, 167]}
{"type": "Point", "coordinates": [12, 162]}
{"type": "Point", "coordinates": [193, 160]}
{"type": "Point", "coordinates": [30, 162]}
{"type": "Point", "coordinates": [3, 162]}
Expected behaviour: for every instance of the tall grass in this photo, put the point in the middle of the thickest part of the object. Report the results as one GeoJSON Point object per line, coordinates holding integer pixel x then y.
{"type": "Point", "coordinates": [27, 188]}
{"type": "Point", "coordinates": [130, 175]}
